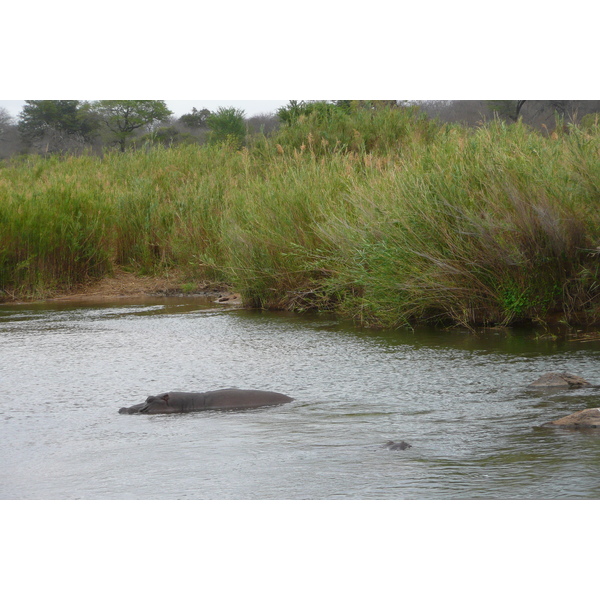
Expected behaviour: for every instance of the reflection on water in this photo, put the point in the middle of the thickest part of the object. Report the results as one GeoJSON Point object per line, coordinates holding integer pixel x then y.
{"type": "Point", "coordinates": [459, 399]}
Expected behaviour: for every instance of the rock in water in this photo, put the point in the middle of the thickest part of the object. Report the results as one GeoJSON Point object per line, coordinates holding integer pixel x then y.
{"type": "Point", "coordinates": [584, 419]}
{"type": "Point", "coordinates": [560, 381]}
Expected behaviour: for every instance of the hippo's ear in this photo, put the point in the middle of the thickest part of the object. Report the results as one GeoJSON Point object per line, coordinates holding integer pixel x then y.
{"type": "Point", "coordinates": [165, 397]}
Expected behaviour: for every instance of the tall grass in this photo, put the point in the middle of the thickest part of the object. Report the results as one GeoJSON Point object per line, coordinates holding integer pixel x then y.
{"type": "Point", "coordinates": [494, 227]}
{"type": "Point", "coordinates": [385, 217]}
{"type": "Point", "coordinates": [52, 229]}
{"type": "Point", "coordinates": [364, 131]}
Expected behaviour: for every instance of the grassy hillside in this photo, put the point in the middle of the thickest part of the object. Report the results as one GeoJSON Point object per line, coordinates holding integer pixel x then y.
{"type": "Point", "coordinates": [385, 217]}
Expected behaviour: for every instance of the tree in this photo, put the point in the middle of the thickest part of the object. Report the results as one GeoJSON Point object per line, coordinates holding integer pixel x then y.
{"type": "Point", "coordinates": [168, 135]}
{"type": "Point", "coordinates": [507, 108]}
{"type": "Point", "coordinates": [289, 114]}
{"type": "Point", "coordinates": [62, 119]}
{"type": "Point", "coordinates": [10, 140]}
{"type": "Point", "coordinates": [323, 110]}
{"type": "Point", "coordinates": [264, 123]}
{"type": "Point", "coordinates": [467, 112]}
{"type": "Point", "coordinates": [123, 117]}
{"type": "Point", "coordinates": [227, 124]}
{"type": "Point", "coordinates": [195, 119]}
{"type": "Point", "coordinates": [5, 122]}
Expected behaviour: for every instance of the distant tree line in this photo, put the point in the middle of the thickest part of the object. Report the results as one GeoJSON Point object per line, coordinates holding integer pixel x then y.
{"type": "Point", "coordinates": [540, 114]}
{"type": "Point", "coordinates": [74, 126]}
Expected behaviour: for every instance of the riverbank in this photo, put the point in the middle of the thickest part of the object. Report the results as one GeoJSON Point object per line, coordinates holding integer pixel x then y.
{"type": "Point", "coordinates": [124, 285]}
{"type": "Point", "coordinates": [127, 285]}
{"type": "Point", "coordinates": [496, 225]}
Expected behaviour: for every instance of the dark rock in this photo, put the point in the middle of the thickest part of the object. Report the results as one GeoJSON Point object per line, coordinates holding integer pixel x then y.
{"type": "Point", "coordinates": [584, 419]}
{"type": "Point", "coordinates": [560, 381]}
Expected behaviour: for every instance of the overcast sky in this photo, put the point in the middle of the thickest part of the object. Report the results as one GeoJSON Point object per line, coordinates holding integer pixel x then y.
{"type": "Point", "coordinates": [237, 51]}
{"type": "Point", "coordinates": [179, 107]}
{"type": "Point", "coordinates": [253, 54]}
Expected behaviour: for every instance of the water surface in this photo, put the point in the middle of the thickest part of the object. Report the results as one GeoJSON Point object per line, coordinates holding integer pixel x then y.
{"type": "Point", "coordinates": [458, 398]}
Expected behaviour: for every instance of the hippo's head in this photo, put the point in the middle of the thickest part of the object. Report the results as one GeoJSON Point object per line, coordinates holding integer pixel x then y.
{"type": "Point", "coordinates": [154, 405]}
{"type": "Point", "coordinates": [397, 446]}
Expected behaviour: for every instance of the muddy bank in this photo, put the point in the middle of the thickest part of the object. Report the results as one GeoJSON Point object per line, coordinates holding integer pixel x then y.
{"type": "Point", "coordinates": [123, 284]}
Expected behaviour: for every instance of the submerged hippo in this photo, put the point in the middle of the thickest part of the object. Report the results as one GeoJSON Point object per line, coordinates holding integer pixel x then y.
{"type": "Point", "coordinates": [397, 445]}
{"type": "Point", "coordinates": [560, 381]}
{"type": "Point", "coordinates": [183, 402]}
{"type": "Point", "coordinates": [584, 419]}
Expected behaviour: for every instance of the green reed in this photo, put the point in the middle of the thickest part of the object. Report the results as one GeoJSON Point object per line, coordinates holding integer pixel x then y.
{"type": "Point", "coordinates": [388, 218]}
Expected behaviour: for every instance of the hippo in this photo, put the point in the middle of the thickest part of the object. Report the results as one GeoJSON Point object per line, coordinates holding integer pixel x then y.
{"type": "Point", "coordinates": [396, 446]}
{"type": "Point", "coordinates": [584, 419]}
{"type": "Point", "coordinates": [184, 402]}
{"type": "Point", "coordinates": [560, 381]}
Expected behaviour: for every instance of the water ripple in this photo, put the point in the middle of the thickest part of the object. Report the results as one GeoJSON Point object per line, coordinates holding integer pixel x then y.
{"type": "Point", "coordinates": [460, 400]}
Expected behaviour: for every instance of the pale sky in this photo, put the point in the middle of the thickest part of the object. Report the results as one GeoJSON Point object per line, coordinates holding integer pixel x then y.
{"type": "Point", "coordinates": [407, 51]}
{"type": "Point", "coordinates": [179, 107]}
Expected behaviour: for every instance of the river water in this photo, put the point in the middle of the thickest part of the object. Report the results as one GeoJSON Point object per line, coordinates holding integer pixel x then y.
{"type": "Point", "coordinates": [458, 398]}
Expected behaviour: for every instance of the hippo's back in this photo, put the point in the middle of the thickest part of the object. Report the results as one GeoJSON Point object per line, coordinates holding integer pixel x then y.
{"type": "Point", "coordinates": [234, 398]}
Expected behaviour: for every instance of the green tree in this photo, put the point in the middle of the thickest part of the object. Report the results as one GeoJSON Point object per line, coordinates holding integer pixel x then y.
{"type": "Point", "coordinates": [323, 110]}
{"type": "Point", "coordinates": [227, 124]}
{"type": "Point", "coordinates": [289, 114]}
{"type": "Point", "coordinates": [195, 119]}
{"type": "Point", "coordinates": [38, 117]}
{"type": "Point", "coordinates": [123, 117]}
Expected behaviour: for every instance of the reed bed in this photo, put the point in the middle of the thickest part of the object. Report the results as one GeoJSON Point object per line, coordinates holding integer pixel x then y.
{"type": "Point", "coordinates": [390, 223]}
